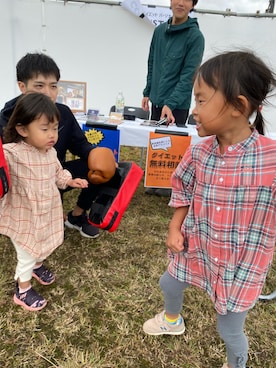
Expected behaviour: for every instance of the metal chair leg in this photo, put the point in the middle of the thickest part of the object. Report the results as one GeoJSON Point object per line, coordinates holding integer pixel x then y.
{"type": "Point", "coordinates": [142, 156]}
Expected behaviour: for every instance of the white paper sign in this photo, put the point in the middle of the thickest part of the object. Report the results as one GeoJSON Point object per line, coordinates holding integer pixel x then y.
{"type": "Point", "coordinates": [153, 14]}
{"type": "Point", "coordinates": [157, 15]}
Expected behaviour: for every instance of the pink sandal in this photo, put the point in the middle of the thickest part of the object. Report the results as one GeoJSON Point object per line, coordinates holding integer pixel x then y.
{"type": "Point", "coordinates": [29, 300]}
{"type": "Point", "coordinates": [43, 275]}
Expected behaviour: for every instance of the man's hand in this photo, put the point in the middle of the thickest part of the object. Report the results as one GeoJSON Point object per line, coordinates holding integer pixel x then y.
{"type": "Point", "coordinates": [167, 112]}
{"type": "Point", "coordinates": [145, 103]}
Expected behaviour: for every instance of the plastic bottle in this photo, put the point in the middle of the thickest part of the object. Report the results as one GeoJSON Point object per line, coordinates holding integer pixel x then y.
{"type": "Point", "coordinates": [120, 103]}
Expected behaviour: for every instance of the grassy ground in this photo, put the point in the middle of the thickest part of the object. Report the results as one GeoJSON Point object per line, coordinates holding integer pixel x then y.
{"type": "Point", "coordinates": [105, 289]}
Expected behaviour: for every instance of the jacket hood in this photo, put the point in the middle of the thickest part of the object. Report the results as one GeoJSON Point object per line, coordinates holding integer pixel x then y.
{"type": "Point", "coordinates": [190, 23]}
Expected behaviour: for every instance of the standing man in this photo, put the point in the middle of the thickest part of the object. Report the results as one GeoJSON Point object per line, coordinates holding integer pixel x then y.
{"type": "Point", "coordinates": [176, 51]}
{"type": "Point", "coordinates": [39, 73]}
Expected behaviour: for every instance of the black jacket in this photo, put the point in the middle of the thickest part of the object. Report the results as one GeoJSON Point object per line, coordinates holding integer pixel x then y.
{"type": "Point", "coordinates": [70, 135]}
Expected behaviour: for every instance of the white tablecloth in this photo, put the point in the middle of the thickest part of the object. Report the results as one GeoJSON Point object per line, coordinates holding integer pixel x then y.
{"type": "Point", "coordinates": [132, 133]}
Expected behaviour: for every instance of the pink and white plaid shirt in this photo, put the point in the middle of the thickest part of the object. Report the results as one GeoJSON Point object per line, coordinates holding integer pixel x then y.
{"type": "Point", "coordinates": [230, 228]}
{"type": "Point", "coordinates": [31, 213]}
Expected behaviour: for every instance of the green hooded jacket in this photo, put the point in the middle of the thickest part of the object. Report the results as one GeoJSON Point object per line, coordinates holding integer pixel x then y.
{"type": "Point", "coordinates": [175, 53]}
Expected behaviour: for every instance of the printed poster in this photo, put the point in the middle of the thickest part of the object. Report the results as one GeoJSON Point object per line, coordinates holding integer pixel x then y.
{"type": "Point", "coordinates": [164, 153]}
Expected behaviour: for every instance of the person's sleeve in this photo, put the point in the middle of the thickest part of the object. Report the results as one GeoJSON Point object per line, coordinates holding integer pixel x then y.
{"type": "Point", "coordinates": [183, 181]}
{"type": "Point", "coordinates": [183, 89]}
{"type": "Point", "coordinates": [78, 144]}
{"type": "Point", "coordinates": [146, 91]}
{"type": "Point", "coordinates": [62, 176]}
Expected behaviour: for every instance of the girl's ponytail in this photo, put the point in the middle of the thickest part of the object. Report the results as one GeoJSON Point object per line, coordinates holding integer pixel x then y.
{"type": "Point", "coordinates": [259, 122]}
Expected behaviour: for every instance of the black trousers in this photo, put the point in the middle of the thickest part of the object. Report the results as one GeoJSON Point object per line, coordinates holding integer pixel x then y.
{"type": "Point", "coordinates": [180, 115]}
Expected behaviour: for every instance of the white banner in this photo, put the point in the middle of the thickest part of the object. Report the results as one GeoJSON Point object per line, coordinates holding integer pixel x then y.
{"type": "Point", "coordinates": [157, 15]}
{"type": "Point", "coordinates": [134, 6]}
{"type": "Point", "coordinates": [153, 14]}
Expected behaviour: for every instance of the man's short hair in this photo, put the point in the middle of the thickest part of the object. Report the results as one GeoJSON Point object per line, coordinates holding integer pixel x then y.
{"type": "Point", "coordinates": [31, 65]}
{"type": "Point", "coordinates": [195, 2]}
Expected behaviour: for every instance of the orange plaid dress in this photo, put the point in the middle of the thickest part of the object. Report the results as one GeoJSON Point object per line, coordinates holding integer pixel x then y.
{"type": "Point", "coordinates": [31, 213]}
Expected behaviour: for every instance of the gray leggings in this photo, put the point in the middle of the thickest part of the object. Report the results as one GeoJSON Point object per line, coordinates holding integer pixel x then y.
{"type": "Point", "coordinates": [229, 326]}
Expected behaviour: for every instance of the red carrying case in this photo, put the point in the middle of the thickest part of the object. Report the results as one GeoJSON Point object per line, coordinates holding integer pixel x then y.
{"type": "Point", "coordinates": [4, 173]}
{"type": "Point", "coordinates": [114, 197]}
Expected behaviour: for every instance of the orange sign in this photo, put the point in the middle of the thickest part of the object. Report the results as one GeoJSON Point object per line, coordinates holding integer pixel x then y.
{"type": "Point", "coordinates": [164, 153]}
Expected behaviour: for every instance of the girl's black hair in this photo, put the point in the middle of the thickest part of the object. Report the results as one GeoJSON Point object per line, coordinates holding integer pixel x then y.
{"type": "Point", "coordinates": [238, 73]}
{"type": "Point", "coordinates": [28, 108]}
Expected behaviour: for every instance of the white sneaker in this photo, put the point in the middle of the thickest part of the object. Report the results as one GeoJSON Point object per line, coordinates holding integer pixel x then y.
{"type": "Point", "coordinates": [159, 326]}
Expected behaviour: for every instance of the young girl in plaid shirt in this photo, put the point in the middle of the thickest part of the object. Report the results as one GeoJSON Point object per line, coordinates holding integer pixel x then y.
{"type": "Point", "coordinates": [31, 213]}
{"type": "Point", "coordinates": [221, 237]}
